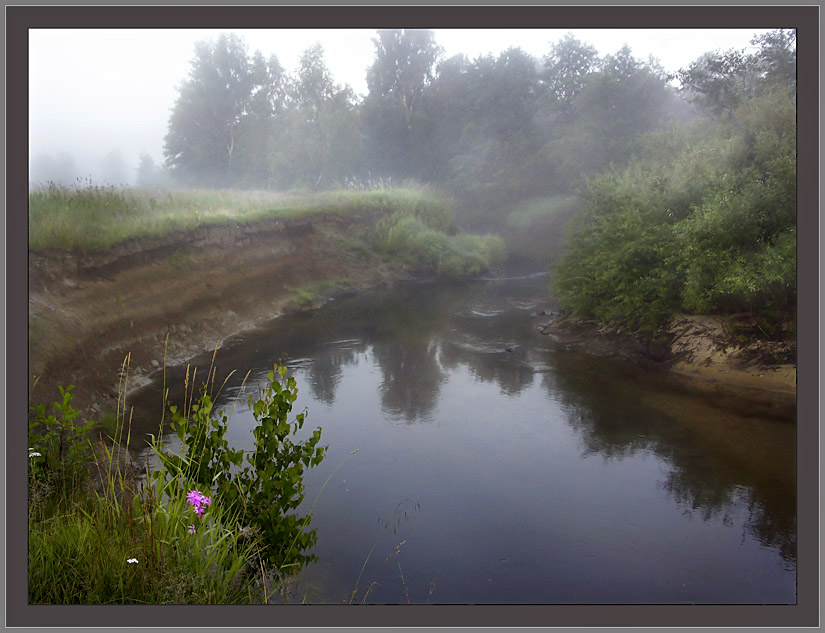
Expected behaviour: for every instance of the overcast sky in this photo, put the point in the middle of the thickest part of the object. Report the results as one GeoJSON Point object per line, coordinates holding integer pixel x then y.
{"type": "Point", "coordinates": [95, 90]}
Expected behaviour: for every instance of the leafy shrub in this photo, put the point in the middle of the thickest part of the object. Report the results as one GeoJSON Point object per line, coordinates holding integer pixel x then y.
{"type": "Point", "coordinates": [270, 486]}
{"type": "Point", "coordinates": [430, 250]}
{"type": "Point", "coordinates": [705, 224]}
{"type": "Point", "coordinates": [59, 447]}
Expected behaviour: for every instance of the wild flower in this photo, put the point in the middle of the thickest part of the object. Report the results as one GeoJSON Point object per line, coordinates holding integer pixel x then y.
{"type": "Point", "coordinates": [34, 454]}
{"type": "Point", "coordinates": [198, 501]}
{"type": "Point", "coordinates": [191, 529]}
{"type": "Point", "coordinates": [132, 561]}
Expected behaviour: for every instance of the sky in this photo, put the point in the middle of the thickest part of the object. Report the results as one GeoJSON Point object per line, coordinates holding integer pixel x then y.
{"type": "Point", "coordinates": [92, 91]}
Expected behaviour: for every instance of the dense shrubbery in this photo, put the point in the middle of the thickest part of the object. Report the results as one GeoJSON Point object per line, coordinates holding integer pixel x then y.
{"type": "Point", "coordinates": [705, 223]}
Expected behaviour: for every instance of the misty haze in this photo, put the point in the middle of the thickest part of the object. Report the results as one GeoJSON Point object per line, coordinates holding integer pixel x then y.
{"type": "Point", "coordinates": [387, 317]}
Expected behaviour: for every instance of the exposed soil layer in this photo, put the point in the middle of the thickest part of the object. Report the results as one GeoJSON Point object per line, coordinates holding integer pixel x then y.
{"type": "Point", "coordinates": [88, 311]}
{"type": "Point", "coordinates": [702, 353]}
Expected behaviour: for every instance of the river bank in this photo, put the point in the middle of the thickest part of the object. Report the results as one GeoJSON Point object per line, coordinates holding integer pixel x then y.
{"type": "Point", "coordinates": [700, 352]}
{"type": "Point", "coordinates": [88, 311]}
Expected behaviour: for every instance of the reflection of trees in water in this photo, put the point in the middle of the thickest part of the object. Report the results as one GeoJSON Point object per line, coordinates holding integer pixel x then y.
{"type": "Point", "coordinates": [326, 369]}
{"type": "Point", "coordinates": [709, 476]}
{"type": "Point", "coordinates": [509, 370]}
{"type": "Point", "coordinates": [771, 516]}
{"type": "Point", "coordinates": [412, 378]}
{"type": "Point", "coordinates": [495, 348]}
{"type": "Point", "coordinates": [405, 327]}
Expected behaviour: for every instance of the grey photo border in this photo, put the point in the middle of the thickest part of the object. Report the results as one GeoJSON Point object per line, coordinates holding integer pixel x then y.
{"type": "Point", "coordinates": [805, 18]}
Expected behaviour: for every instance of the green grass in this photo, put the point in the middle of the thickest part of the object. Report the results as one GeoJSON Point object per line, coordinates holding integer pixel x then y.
{"type": "Point", "coordinates": [307, 294]}
{"type": "Point", "coordinates": [79, 553]}
{"type": "Point", "coordinates": [430, 250]}
{"type": "Point", "coordinates": [95, 218]}
{"type": "Point", "coordinates": [81, 536]}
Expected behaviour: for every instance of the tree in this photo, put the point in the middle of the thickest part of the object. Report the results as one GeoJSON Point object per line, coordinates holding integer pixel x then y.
{"type": "Point", "coordinates": [494, 159]}
{"type": "Point", "coordinates": [223, 88]}
{"type": "Point", "coordinates": [776, 59]}
{"type": "Point", "coordinates": [719, 82]}
{"type": "Point", "coordinates": [148, 174]}
{"type": "Point", "coordinates": [317, 145]}
{"type": "Point", "coordinates": [267, 105]}
{"type": "Point", "coordinates": [615, 105]}
{"type": "Point", "coordinates": [566, 70]}
{"type": "Point", "coordinates": [404, 67]}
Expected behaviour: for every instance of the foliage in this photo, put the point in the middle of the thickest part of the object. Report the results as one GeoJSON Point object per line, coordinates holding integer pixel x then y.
{"type": "Point", "coordinates": [491, 131]}
{"type": "Point", "coordinates": [269, 487]}
{"type": "Point", "coordinates": [705, 224]}
{"type": "Point", "coordinates": [59, 447]}
{"type": "Point", "coordinates": [429, 250]}
{"type": "Point", "coordinates": [123, 541]}
{"type": "Point", "coordinates": [566, 70]}
{"type": "Point", "coordinates": [224, 93]}
{"type": "Point", "coordinates": [720, 81]}
{"type": "Point", "coordinates": [395, 122]}
{"type": "Point", "coordinates": [315, 143]}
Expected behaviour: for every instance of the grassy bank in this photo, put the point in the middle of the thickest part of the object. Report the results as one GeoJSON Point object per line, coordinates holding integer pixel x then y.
{"type": "Point", "coordinates": [91, 217]}
{"type": "Point", "coordinates": [416, 224]}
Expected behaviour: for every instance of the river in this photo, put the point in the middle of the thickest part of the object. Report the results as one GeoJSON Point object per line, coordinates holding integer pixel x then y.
{"type": "Point", "coordinates": [494, 466]}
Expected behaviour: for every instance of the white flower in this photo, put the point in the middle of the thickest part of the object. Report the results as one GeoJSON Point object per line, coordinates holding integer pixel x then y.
{"type": "Point", "coordinates": [34, 454]}
{"type": "Point", "coordinates": [132, 560]}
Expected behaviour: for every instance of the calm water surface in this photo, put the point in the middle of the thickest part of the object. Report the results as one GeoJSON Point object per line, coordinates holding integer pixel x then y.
{"type": "Point", "coordinates": [514, 471]}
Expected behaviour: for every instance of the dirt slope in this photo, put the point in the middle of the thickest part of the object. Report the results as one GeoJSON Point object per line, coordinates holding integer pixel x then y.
{"type": "Point", "coordinates": [87, 311]}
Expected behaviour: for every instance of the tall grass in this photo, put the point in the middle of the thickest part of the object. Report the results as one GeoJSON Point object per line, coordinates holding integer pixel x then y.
{"type": "Point", "coordinates": [104, 534]}
{"type": "Point", "coordinates": [428, 249]}
{"type": "Point", "coordinates": [93, 218]}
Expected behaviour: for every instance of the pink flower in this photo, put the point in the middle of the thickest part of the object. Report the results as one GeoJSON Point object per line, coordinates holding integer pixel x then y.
{"type": "Point", "coordinates": [191, 529]}
{"type": "Point", "coordinates": [199, 501]}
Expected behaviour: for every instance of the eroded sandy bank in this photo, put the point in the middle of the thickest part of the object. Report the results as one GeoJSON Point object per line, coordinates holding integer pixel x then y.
{"type": "Point", "coordinates": [87, 312]}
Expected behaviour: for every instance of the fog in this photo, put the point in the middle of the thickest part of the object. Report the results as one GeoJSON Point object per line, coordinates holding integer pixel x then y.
{"type": "Point", "coordinates": [100, 99]}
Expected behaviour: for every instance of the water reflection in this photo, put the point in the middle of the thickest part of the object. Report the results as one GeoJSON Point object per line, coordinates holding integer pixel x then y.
{"type": "Point", "coordinates": [719, 461]}
{"type": "Point", "coordinates": [409, 349]}
{"type": "Point", "coordinates": [326, 367]}
{"type": "Point", "coordinates": [412, 378]}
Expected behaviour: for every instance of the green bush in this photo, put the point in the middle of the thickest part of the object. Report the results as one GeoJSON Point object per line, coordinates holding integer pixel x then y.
{"type": "Point", "coordinates": [59, 447]}
{"type": "Point", "coordinates": [430, 250]}
{"type": "Point", "coordinates": [269, 487]}
{"type": "Point", "coordinates": [706, 223]}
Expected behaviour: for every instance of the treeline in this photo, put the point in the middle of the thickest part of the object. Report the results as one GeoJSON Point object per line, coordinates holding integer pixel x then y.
{"type": "Point", "coordinates": [704, 219]}
{"type": "Point", "coordinates": [490, 131]}
{"type": "Point", "coordinates": [684, 197]}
